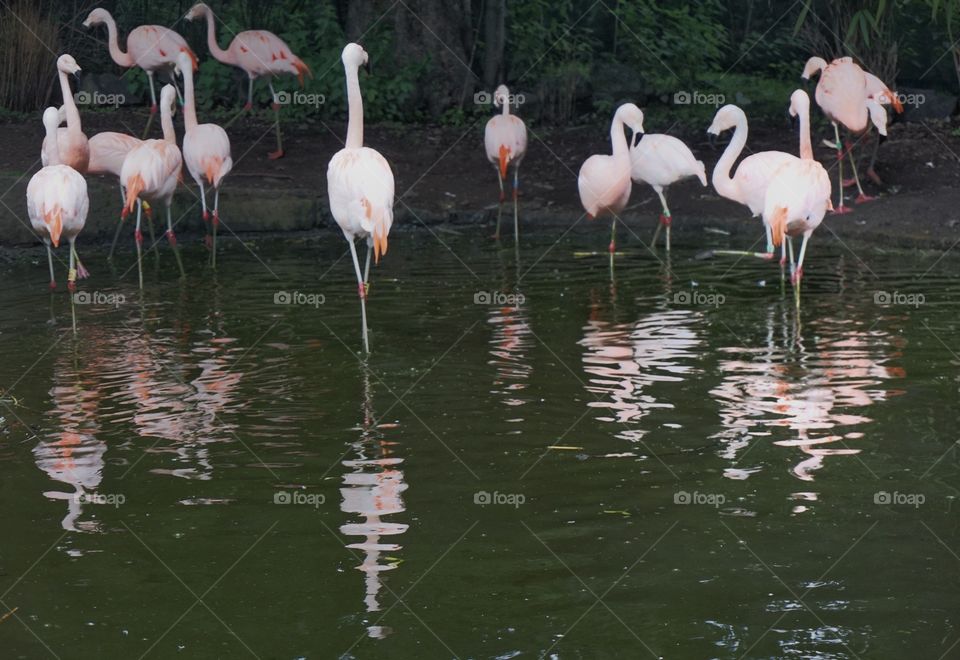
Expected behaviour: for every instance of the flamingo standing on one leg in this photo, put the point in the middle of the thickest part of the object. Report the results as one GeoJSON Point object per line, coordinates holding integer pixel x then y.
{"type": "Point", "coordinates": [206, 151]}
{"type": "Point", "coordinates": [151, 47]}
{"type": "Point", "coordinates": [604, 181]}
{"type": "Point", "coordinates": [660, 160]}
{"type": "Point", "coordinates": [748, 186]}
{"type": "Point", "coordinates": [505, 140]}
{"type": "Point", "coordinates": [74, 148]}
{"type": "Point", "coordinates": [259, 53]}
{"type": "Point", "coordinates": [57, 202]}
{"type": "Point", "coordinates": [798, 195]}
{"type": "Point", "coordinates": [360, 184]}
{"type": "Point", "coordinates": [152, 171]}
{"type": "Point", "coordinates": [848, 97]}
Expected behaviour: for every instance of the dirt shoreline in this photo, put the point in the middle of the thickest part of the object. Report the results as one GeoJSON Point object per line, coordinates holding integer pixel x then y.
{"type": "Point", "coordinates": [443, 178]}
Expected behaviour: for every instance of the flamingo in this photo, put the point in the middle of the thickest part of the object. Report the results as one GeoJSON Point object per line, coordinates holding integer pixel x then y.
{"type": "Point", "coordinates": [57, 202]}
{"type": "Point", "coordinates": [850, 96]}
{"type": "Point", "coordinates": [107, 153]}
{"type": "Point", "coordinates": [798, 195]}
{"type": "Point", "coordinates": [151, 47]}
{"type": "Point", "coordinates": [206, 151]}
{"type": "Point", "coordinates": [259, 53]}
{"type": "Point", "coordinates": [360, 184]}
{"type": "Point", "coordinates": [748, 186]}
{"type": "Point", "coordinates": [74, 148]}
{"type": "Point", "coordinates": [152, 171]}
{"type": "Point", "coordinates": [604, 181]}
{"type": "Point", "coordinates": [505, 140]}
{"type": "Point", "coordinates": [660, 160]}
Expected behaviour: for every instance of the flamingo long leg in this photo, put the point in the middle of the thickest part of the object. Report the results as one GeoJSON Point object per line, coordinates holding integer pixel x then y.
{"type": "Point", "coordinates": [666, 214]}
{"type": "Point", "coordinates": [171, 238]}
{"type": "Point", "coordinates": [215, 222]}
{"type": "Point", "coordinates": [361, 290]}
{"type": "Point", "coordinates": [836, 133]}
{"type": "Point", "coordinates": [496, 234]}
{"type": "Point", "coordinates": [276, 115]}
{"type": "Point", "coordinates": [138, 240]}
{"type": "Point", "coordinates": [613, 236]}
{"type": "Point", "coordinates": [249, 94]}
{"type": "Point", "coordinates": [53, 280]}
{"type": "Point", "coordinates": [366, 268]}
{"type": "Point", "coordinates": [153, 105]}
{"type": "Point", "coordinates": [516, 222]}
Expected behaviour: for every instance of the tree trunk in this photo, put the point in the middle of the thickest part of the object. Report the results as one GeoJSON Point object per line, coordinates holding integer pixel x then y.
{"type": "Point", "coordinates": [494, 22]}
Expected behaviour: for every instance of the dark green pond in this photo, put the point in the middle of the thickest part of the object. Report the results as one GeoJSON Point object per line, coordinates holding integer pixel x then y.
{"type": "Point", "coordinates": [676, 463]}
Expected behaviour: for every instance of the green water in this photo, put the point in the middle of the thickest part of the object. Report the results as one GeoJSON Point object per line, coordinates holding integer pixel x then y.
{"type": "Point", "coordinates": [202, 472]}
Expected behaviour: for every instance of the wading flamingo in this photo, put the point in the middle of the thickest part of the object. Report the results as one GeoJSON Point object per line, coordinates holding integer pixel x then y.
{"type": "Point", "coordinates": [151, 47]}
{"type": "Point", "coordinates": [847, 96]}
{"type": "Point", "coordinates": [604, 181]}
{"type": "Point", "coordinates": [57, 202]}
{"type": "Point", "coordinates": [798, 195]}
{"type": "Point", "coordinates": [206, 151]}
{"type": "Point", "coordinates": [505, 140]}
{"type": "Point", "coordinates": [748, 186]}
{"type": "Point", "coordinates": [660, 160]}
{"type": "Point", "coordinates": [151, 172]}
{"type": "Point", "coordinates": [107, 153]}
{"type": "Point", "coordinates": [259, 53]}
{"type": "Point", "coordinates": [74, 148]}
{"type": "Point", "coordinates": [360, 185]}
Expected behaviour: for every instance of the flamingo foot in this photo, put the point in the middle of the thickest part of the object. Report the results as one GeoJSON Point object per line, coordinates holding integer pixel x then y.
{"type": "Point", "coordinates": [138, 236]}
{"type": "Point", "coordinates": [171, 238]}
{"type": "Point", "coordinates": [153, 109]}
{"type": "Point", "coordinates": [849, 182]}
{"type": "Point", "coordinates": [206, 215]}
{"type": "Point", "coordinates": [612, 247]}
{"type": "Point", "coordinates": [840, 210]}
{"type": "Point", "coordinates": [53, 285]}
{"type": "Point", "coordinates": [665, 220]}
{"type": "Point", "coordinates": [82, 273]}
{"type": "Point", "coordinates": [274, 155]}
{"type": "Point", "coordinates": [862, 198]}
{"type": "Point", "coordinates": [248, 106]}
{"type": "Point", "coordinates": [71, 286]}
{"type": "Point", "coordinates": [769, 256]}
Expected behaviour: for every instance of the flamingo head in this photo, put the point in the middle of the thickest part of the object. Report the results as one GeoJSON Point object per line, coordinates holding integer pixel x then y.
{"type": "Point", "coordinates": [168, 98]}
{"type": "Point", "coordinates": [501, 96]}
{"type": "Point", "coordinates": [799, 103]}
{"type": "Point", "coordinates": [184, 63]}
{"type": "Point", "coordinates": [726, 118]}
{"type": "Point", "coordinates": [632, 116]}
{"type": "Point", "coordinates": [354, 56]}
{"type": "Point", "coordinates": [97, 17]}
{"type": "Point", "coordinates": [199, 10]}
{"type": "Point", "coordinates": [67, 64]}
{"type": "Point", "coordinates": [878, 116]}
{"type": "Point", "coordinates": [814, 65]}
{"type": "Point", "coordinates": [51, 119]}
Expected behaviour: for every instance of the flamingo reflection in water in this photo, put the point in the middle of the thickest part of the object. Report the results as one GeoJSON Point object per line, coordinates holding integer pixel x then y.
{"type": "Point", "coordinates": [625, 361]}
{"type": "Point", "coordinates": [510, 345]}
{"type": "Point", "coordinates": [809, 392]}
{"type": "Point", "coordinates": [372, 489]}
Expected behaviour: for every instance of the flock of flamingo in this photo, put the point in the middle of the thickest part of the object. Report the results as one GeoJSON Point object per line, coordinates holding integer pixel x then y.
{"type": "Point", "coordinates": [790, 193]}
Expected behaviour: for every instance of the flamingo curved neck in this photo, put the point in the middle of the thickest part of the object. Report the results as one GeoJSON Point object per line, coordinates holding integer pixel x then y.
{"type": "Point", "coordinates": [189, 109]}
{"type": "Point", "coordinates": [215, 50]}
{"type": "Point", "coordinates": [618, 139]}
{"type": "Point", "coordinates": [52, 147]}
{"type": "Point", "coordinates": [721, 173]}
{"type": "Point", "coordinates": [806, 148]}
{"type": "Point", "coordinates": [69, 106]}
{"type": "Point", "coordinates": [113, 43]}
{"type": "Point", "coordinates": [166, 122]}
{"type": "Point", "coordinates": [355, 101]}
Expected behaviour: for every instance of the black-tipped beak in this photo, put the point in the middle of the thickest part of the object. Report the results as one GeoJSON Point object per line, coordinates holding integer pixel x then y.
{"type": "Point", "coordinates": [881, 139]}
{"type": "Point", "coordinates": [76, 75]}
{"type": "Point", "coordinates": [636, 138]}
{"type": "Point", "coordinates": [368, 68]}
{"type": "Point", "coordinates": [712, 139]}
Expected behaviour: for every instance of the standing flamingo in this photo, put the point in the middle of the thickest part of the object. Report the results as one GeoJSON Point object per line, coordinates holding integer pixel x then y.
{"type": "Point", "coordinates": [57, 202]}
{"type": "Point", "coordinates": [505, 140]}
{"type": "Point", "coordinates": [660, 160]}
{"type": "Point", "coordinates": [107, 153]}
{"type": "Point", "coordinates": [748, 186]}
{"type": "Point", "coordinates": [206, 151]}
{"type": "Point", "coordinates": [798, 195]}
{"type": "Point", "coordinates": [604, 181]}
{"type": "Point", "coordinates": [151, 47]}
{"type": "Point", "coordinates": [152, 171]}
{"type": "Point", "coordinates": [259, 53]}
{"type": "Point", "coordinates": [360, 184]}
{"type": "Point", "coordinates": [850, 96]}
{"type": "Point", "coordinates": [74, 148]}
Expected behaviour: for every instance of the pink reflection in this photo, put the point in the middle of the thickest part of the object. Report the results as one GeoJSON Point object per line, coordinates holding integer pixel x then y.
{"type": "Point", "coordinates": [510, 345]}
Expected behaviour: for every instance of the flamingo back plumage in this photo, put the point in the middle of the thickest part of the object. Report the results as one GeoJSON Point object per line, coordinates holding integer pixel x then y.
{"type": "Point", "coordinates": [361, 188]}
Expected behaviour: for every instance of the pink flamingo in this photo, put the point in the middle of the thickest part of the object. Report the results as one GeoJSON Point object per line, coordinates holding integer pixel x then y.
{"type": "Point", "coordinates": [259, 53]}
{"type": "Point", "coordinates": [57, 202]}
{"type": "Point", "coordinates": [150, 47]}
{"type": "Point", "coordinates": [798, 195]}
{"type": "Point", "coordinates": [74, 148]}
{"type": "Point", "coordinates": [107, 153]}
{"type": "Point", "coordinates": [360, 184]}
{"type": "Point", "coordinates": [748, 186]}
{"type": "Point", "coordinates": [660, 160]}
{"type": "Point", "coordinates": [604, 181]}
{"type": "Point", "coordinates": [505, 140]}
{"type": "Point", "coordinates": [206, 151]}
{"type": "Point", "coordinates": [848, 96]}
{"type": "Point", "coordinates": [152, 171]}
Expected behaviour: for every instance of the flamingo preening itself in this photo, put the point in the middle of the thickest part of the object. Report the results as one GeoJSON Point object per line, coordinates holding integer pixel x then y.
{"type": "Point", "coordinates": [151, 172]}
{"type": "Point", "coordinates": [206, 151]}
{"type": "Point", "coordinates": [850, 96]}
{"type": "Point", "coordinates": [798, 195]}
{"type": "Point", "coordinates": [360, 184]}
{"type": "Point", "coordinates": [57, 202]}
{"type": "Point", "coordinates": [151, 47]}
{"type": "Point", "coordinates": [505, 141]}
{"type": "Point", "coordinates": [604, 180]}
{"type": "Point", "coordinates": [660, 160]}
{"type": "Point", "coordinates": [259, 53]}
{"type": "Point", "coordinates": [73, 146]}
